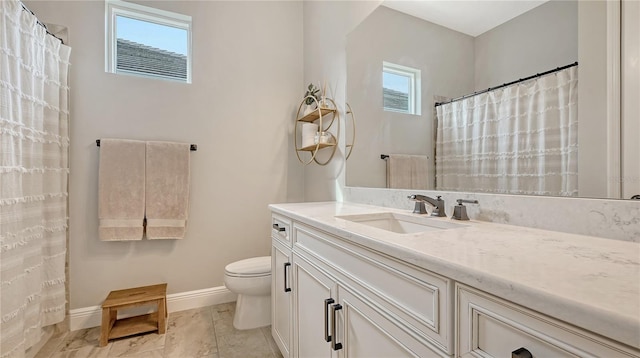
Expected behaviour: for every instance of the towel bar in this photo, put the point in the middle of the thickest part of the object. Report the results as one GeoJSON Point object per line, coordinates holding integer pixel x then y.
{"type": "Point", "coordinates": [193, 147]}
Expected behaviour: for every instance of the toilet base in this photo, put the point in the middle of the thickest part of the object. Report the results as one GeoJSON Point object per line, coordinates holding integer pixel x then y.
{"type": "Point", "coordinates": [252, 312]}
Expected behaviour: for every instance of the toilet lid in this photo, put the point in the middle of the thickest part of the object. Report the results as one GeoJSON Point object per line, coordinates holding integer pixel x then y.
{"type": "Point", "coordinates": [255, 266]}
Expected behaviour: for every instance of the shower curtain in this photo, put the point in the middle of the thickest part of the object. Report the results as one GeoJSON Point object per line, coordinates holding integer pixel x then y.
{"type": "Point", "coordinates": [34, 142]}
{"type": "Point", "coordinates": [520, 139]}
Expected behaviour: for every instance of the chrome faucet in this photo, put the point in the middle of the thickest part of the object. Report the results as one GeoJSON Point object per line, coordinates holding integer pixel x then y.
{"type": "Point", "coordinates": [438, 205]}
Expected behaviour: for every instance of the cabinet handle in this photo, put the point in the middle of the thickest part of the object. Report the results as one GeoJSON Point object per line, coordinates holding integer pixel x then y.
{"type": "Point", "coordinates": [286, 281]}
{"type": "Point", "coordinates": [521, 353]}
{"type": "Point", "coordinates": [335, 345]}
{"type": "Point", "coordinates": [277, 227]}
{"type": "Point", "coordinates": [327, 302]}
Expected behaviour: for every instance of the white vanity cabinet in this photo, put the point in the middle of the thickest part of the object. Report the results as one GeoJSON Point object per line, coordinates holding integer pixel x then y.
{"type": "Point", "coordinates": [348, 299]}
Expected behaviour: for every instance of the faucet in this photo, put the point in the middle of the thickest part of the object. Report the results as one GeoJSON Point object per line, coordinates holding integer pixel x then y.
{"type": "Point", "coordinates": [438, 205]}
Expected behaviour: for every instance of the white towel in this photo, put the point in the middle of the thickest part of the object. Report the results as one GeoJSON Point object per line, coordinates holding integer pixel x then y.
{"type": "Point", "coordinates": [121, 189]}
{"type": "Point", "coordinates": [167, 188]}
{"type": "Point", "coordinates": [407, 171]}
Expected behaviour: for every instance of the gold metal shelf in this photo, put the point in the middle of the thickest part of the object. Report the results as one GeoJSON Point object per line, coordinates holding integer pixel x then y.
{"type": "Point", "coordinates": [325, 115]}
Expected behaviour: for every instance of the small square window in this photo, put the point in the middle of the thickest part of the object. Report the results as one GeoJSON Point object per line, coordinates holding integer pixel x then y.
{"type": "Point", "coordinates": [400, 88]}
{"type": "Point", "coordinates": [149, 42]}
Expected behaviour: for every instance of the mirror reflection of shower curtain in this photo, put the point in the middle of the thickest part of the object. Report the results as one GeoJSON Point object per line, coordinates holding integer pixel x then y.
{"type": "Point", "coordinates": [520, 139]}
{"type": "Point", "coordinates": [34, 141]}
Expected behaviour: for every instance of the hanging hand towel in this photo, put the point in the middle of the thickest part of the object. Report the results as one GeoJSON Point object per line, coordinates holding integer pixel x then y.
{"type": "Point", "coordinates": [407, 171]}
{"type": "Point", "coordinates": [167, 189]}
{"type": "Point", "coordinates": [121, 197]}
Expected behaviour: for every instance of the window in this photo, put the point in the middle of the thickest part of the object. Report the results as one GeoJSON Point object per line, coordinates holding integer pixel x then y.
{"type": "Point", "coordinates": [149, 42]}
{"type": "Point", "coordinates": [400, 88]}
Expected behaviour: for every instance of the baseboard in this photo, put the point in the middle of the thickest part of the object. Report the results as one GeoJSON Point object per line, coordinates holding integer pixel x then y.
{"type": "Point", "coordinates": [88, 317]}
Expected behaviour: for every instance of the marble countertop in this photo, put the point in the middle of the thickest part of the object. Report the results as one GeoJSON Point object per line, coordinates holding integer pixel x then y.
{"type": "Point", "coordinates": [589, 282]}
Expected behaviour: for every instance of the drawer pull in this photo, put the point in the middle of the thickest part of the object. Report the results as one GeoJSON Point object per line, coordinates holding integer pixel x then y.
{"type": "Point", "coordinates": [286, 281]}
{"type": "Point", "coordinates": [521, 353]}
{"type": "Point", "coordinates": [278, 228]}
{"type": "Point", "coordinates": [335, 345]}
{"type": "Point", "coordinates": [327, 302]}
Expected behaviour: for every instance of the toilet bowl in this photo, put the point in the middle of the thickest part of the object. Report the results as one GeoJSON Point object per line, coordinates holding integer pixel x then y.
{"type": "Point", "coordinates": [251, 280]}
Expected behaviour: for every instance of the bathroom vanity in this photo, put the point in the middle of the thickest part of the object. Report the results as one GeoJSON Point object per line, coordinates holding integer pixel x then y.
{"type": "Point", "coordinates": [362, 281]}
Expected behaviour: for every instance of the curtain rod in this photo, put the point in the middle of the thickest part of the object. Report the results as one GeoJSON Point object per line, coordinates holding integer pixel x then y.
{"type": "Point", "coordinates": [508, 84]}
{"type": "Point", "coordinates": [193, 147]}
{"type": "Point", "coordinates": [24, 7]}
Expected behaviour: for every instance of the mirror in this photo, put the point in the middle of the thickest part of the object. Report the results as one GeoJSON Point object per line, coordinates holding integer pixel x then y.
{"type": "Point", "coordinates": [455, 59]}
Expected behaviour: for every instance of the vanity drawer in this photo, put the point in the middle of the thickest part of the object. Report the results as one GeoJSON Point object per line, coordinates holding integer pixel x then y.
{"type": "Point", "coordinates": [488, 326]}
{"type": "Point", "coordinates": [281, 228]}
{"type": "Point", "coordinates": [420, 299]}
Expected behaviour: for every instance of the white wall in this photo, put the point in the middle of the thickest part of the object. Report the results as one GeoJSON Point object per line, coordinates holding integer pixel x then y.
{"type": "Point", "coordinates": [247, 75]}
{"type": "Point", "coordinates": [539, 40]}
{"type": "Point", "coordinates": [445, 59]}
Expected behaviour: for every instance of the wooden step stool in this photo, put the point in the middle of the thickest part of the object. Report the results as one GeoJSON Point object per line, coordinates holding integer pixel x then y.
{"type": "Point", "coordinates": [112, 327]}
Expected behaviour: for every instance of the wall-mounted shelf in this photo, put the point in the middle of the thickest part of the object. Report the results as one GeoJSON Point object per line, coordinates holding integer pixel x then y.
{"type": "Point", "coordinates": [325, 114]}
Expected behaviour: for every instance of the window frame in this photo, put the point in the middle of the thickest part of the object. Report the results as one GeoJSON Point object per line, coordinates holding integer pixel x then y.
{"type": "Point", "coordinates": [415, 91]}
{"type": "Point", "coordinates": [115, 8]}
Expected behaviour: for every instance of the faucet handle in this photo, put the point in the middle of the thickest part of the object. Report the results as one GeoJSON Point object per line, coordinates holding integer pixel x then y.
{"type": "Point", "coordinates": [460, 211]}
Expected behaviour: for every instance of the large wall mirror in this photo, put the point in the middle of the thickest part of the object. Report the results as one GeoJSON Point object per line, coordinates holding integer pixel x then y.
{"type": "Point", "coordinates": [435, 51]}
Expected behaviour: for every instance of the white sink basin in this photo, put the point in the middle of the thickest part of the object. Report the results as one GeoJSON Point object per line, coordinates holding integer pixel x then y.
{"type": "Point", "coordinates": [402, 224]}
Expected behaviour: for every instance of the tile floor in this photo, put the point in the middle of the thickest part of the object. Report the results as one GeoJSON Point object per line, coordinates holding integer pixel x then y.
{"type": "Point", "coordinates": [202, 332]}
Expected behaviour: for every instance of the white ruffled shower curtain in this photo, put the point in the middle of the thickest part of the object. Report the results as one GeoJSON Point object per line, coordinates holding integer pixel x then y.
{"type": "Point", "coordinates": [521, 139]}
{"type": "Point", "coordinates": [34, 140]}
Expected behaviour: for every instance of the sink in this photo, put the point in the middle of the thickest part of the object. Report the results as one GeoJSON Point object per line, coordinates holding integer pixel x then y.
{"type": "Point", "coordinates": [402, 224]}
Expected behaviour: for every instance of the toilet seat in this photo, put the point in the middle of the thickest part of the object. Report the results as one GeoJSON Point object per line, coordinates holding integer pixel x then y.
{"type": "Point", "coordinates": [253, 267]}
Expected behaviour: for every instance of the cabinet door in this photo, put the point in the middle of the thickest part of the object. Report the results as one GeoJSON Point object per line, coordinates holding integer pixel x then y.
{"type": "Point", "coordinates": [364, 331]}
{"type": "Point", "coordinates": [311, 288]}
{"type": "Point", "coordinates": [281, 310]}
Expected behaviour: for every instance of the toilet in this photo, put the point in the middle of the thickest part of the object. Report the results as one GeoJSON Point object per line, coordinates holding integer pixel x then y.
{"type": "Point", "coordinates": [251, 280]}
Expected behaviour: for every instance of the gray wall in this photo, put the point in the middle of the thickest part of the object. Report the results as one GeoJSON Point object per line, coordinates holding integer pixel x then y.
{"type": "Point", "coordinates": [445, 58]}
{"type": "Point", "coordinates": [247, 80]}
{"type": "Point", "coordinates": [539, 40]}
